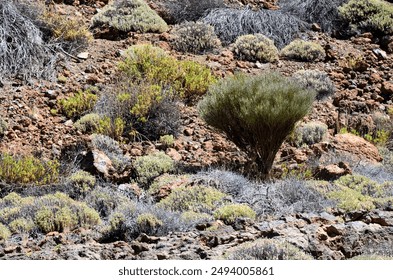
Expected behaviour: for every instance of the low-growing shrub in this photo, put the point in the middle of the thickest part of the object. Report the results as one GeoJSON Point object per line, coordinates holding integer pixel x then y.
{"type": "Point", "coordinates": [316, 80]}
{"type": "Point", "coordinates": [88, 123]}
{"type": "Point", "coordinates": [112, 150]}
{"type": "Point", "coordinates": [167, 140]}
{"type": "Point", "coordinates": [151, 166]}
{"type": "Point", "coordinates": [257, 113]}
{"type": "Point", "coordinates": [323, 12]}
{"type": "Point", "coordinates": [369, 15]}
{"type": "Point", "coordinates": [308, 133]}
{"type": "Point", "coordinates": [5, 233]}
{"type": "Point", "coordinates": [255, 47]}
{"type": "Point", "coordinates": [81, 182]}
{"type": "Point", "coordinates": [112, 127]}
{"type": "Point", "coordinates": [22, 225]}
{"type": "Point", "coordinates": [129, 15]}
{"type": "Point", "coordinates": [28, 170]}
{"type": "Point", "coordinates": [230, 212]}
{"type": "Point", "coordinates": [82, 102]}
{"type": "Point", "coordinates": [303, 51]}
{"type": "Point", "coordinates": [195, 37]}
{"type": "Point", "coordinates": [191, 216]}
{"type": "Point", "coordinates": [199, 199]}
{"type": "Point", "coordinates": [267, 249]}
{"type": "Point", "coordinates": [229, 24]}
{"type": "Point", "coordinates": [148, 222]}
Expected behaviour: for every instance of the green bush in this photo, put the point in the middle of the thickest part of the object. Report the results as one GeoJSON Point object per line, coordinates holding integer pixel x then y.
{"type": "Point", "coordinates": [79, 104]}
{"type": "Point", "coordinates": [316, 80]}
{"type": "Point", "coordinates": [151, 166]}
{"type": "Point", "coordinates": [148, 222]}
{"type": "Point", "coordinates": [267, 249]}
{"type": "Point", "coordinates": [129, 15]}
{"type": "Point", "coordinates": [255, 47]}
{"type": "Point", "coordinates": [4, 232]}
{"type": "Point", "coordinates": [198, 199]}
{"type": "Point", "coordinates": [167, 140]}
{"type": "Point", "coordinates": [308, 133]}
{"type": "Point", "coordinates": [195, 37]}
{"type": "Point", "coordinates": [230, 212]}
{"type": "Point", "coordinates": [22, 225]}
{"type": "Point", "coordinates": [28, 170]}
{"type": "Point", "coordinates": [256, 112]}
{"type": "Point", "coordinates": [369, 15]}
{"type": "Point", "coordinates": [82, 182]}
{"type": "Point", "coordinates": [88, 123]}
{"type": "Point", "coordinates": [303, 51]}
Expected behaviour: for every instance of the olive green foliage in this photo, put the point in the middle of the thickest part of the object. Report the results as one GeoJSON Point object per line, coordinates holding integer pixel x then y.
{"type": "Point", "coordinates": [195, 37]}
{"type": "Point", "coordinates": [230, 212]}
{"type": "Point", "coordinates": [316, 80]}
{"type": "Point", "coordinates": [308, 133]}
{"type": "Point", "coordinates": [255, 47]}
{"type": "Point", "coordinates": [82, 182]}
{"type": "Point", "coordinates": [88, 123]}
{"type": "Point", "coordinates": [79, 104]}
{"type": "Point", "coordinates": [28, 170]}
{"type": "Point", "coordinates": [303, 51]}
{"type": "Point", "coordinates": [256, 112]}
{"type": "Point", "coordinates": [369, 15]}
{"type": "Point", "coordinates": [148, 222]}
{"type": "Point", "coordinates": [151, 166]}
{"type": "Point", "coordinates": [5, 233]}
{"type": "Point", "coordinates": [3, 126]}
{"type": "Point", "coordinates": [129, 15]}
{"type": "Point", "coordinates": [167, 140]}
{"type": "Point", "coordinates": [199, 199]}
{"type": "Point", "coordinates": [356, 192]}
{"type": "Point", "coordinates": [160, 70]}
{"type": "Point", "coordinates": [267, 249]}
{"type": "Point", "coordinates": [52, 212]}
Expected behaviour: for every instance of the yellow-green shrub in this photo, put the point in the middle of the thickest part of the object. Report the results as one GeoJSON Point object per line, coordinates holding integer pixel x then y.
{"type": "Point", "coordinates": [195, 198]}
{"type": "Point", "coordinates": [148, 221]}
{"type": "Point", "coordinates": [151, 166]}
{"type": "Point", "coordinates": [4, 232]}
{"type": "Point", "coordinates": [82, 182]}
{"type": "Point", "coordinates": [303, 51]}
{"type": "Point", "coordinates": [88, 123]}
{"type": "Point", "coordinates": [369, 15]}
{"type": "Point", "coordinates": [255, 47]}
{"type": "Point", "coordinates": [28, 169]}
{"type": "Point", "coordinates": [79, 104]}
{"type": "Point", "coordinates": [130, 15]}
{"type": "Point", "coordinates": [21, 225]}
{"type": "Point", "coordinates": [230, 212]}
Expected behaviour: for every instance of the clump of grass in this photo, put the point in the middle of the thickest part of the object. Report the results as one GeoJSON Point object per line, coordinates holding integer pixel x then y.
{"type": "Point", "coordinates": [28, 170]}
{"type": "Point", "coordinates": [303, 51]}
{"type": "Point", "coordinates": [129, 15]}
{"type": "Point", "coordinates": [255, 47]}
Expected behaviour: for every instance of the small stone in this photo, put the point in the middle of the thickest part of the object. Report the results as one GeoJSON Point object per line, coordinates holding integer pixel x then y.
{"type": "Point", "coordinates": [83, 55]}
{"type": "Point", "coordinates": [380, 53]}
{"type": "Point", "coordinates": [316, 27]}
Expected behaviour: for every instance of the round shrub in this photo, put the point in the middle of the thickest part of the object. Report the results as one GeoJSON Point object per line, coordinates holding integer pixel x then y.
{"type": "Point", "coordinates": [22, 225]}
{"type": "Point", "coordinates": [151, 166]}
{"type": "Point", "coordinates": [316, 80]}
{"type": "Point", "coordinates": [129, 15]}
{"type": "Point", "coordinates": [369, 15]}
{"type": "Point", "coordinates": [308, 133]}
{"type": "Point", "coordinates": [195, 37]}
{"type": "Point", "coordinates": [4, 232]}
{"type": "Point", "coordinates": [148, 222]}
{"type": "Point", "coordinates": [257, 113]}
{"type": "Point", "coordinates": [303, 51]}
{"type": "Point", "coordinates": [230, 212]}
{"type": "Point", "coordinates": [255, 47]}
{"type": "Point", "coordinates": [82, 182]}
{"type": "Point", "coordinates": [197, 198]}
{"type": "Point", "coordinates": [88, 123]}
{"type": "Point", "coordinates": [267, 249]}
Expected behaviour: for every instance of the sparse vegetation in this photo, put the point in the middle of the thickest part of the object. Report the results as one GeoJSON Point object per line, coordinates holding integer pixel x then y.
{"type": "Point", "coordinates": [257, 113]}
{"type": "Point", "coordinates": [267, 249]}
{"type": "Point", "coordinates": [195, 37]}
{"type": "Point", "coordinates": [129, 15]}
{"type": "Point", "coordinates": [303, 51]}
{"type": "Point", "coordinates": [255, 47]}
